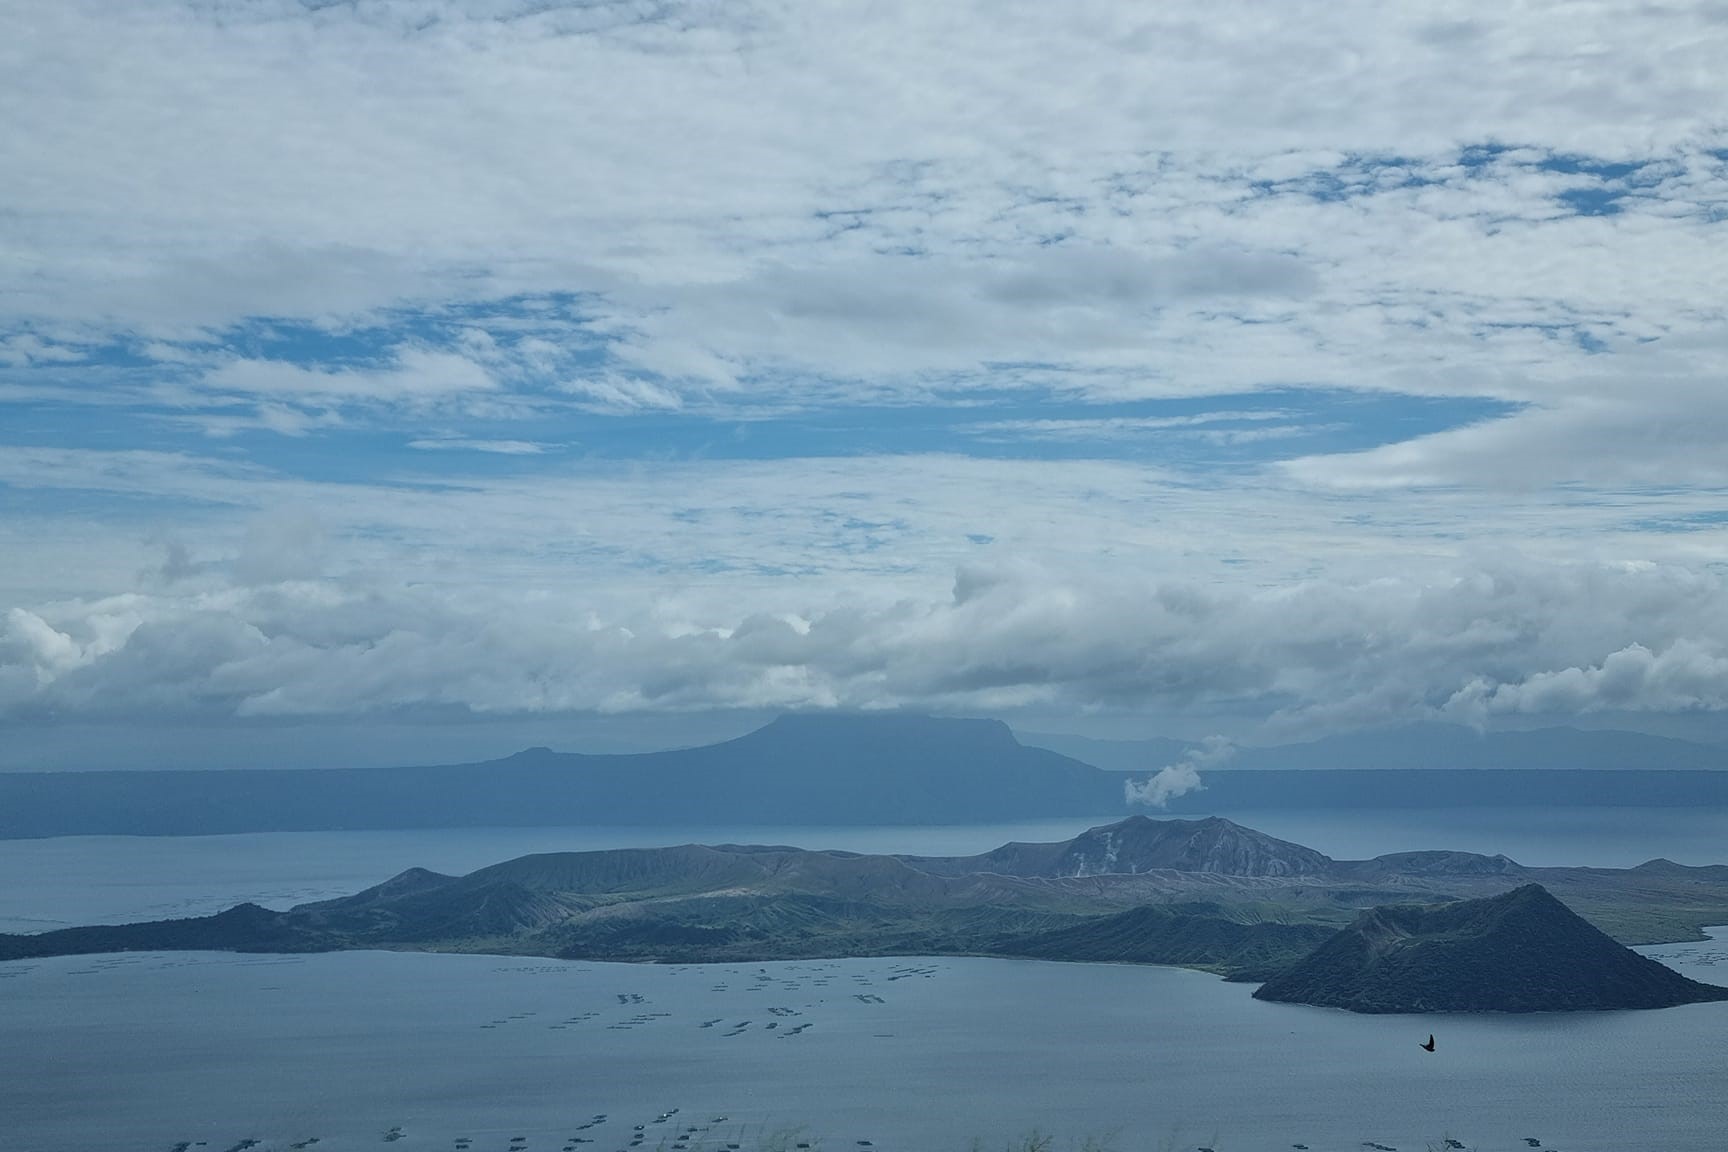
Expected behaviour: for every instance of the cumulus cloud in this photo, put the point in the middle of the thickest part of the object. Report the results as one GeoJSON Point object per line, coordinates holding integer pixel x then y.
{"type": "Point", "coordinates": [288, 642]}
{"type": "Point", "coordinates": [1100, 586]}
{"type": "Point", "coordinates": [1686, 676]}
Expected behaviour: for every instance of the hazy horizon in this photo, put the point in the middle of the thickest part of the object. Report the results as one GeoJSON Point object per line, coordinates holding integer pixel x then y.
{"type": "Point", "coordinates": [278, 744]}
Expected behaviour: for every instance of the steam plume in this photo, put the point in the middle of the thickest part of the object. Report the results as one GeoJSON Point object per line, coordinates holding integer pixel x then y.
{"type": "Point", "coordinates": [1180, 778]}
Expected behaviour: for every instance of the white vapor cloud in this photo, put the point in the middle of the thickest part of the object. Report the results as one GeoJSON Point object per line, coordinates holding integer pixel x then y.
{"type": "Point", "coordinates": [1180, 778]}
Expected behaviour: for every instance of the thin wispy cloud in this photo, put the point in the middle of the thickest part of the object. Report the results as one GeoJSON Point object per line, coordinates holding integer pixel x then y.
{"type": "Point", "coordinates": [1081, 428]}
{"type": "Point", "coordinates": [465, 444]}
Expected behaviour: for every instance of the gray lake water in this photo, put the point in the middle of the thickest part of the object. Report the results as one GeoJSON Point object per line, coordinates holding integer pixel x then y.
{"type": "Point", "coordinates": [143, 1051]}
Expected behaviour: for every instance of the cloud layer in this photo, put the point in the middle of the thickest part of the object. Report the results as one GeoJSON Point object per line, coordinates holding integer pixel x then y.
{"type": "Point", "coordinates": [1306, 366]}
{"type": "Point", "coordinates": [274, 632]}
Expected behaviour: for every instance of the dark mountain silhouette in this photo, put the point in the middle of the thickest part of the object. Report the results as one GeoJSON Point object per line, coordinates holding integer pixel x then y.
{"type": "Point", "coordinates": [818, 769]}
{"type": "Point", "coordinates": [243, 928]}
{"type": "Point", "coordinates": [1520, 951]}
{"type": "Point", "coordinates": [1202, 893]}
{"type": "Point", "coordinates": [842, 769]}
{"type": "Point", "coordinates": [712, 902]}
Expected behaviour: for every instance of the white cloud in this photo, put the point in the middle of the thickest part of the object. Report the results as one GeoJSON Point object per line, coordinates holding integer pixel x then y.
{"type": "Point", "coordinates": [468, 444]}
{"type": "Point", "coordinates": [755, 178]}
{"type": "Point", "coordinates": [1315, 654]}
{"type": "Point", "coordinates": [27, 348]}
{"type": "Point", "coordinates": [619, 392]}
{"type": "Point", "coordinates": [725, 211]}
{"type": "Point", "coordinates": [1686, 676]}
{"type": "Point", "coordinates": [753, 585]}
{"type": "Point", "coordinates": [1646, 418]}
{"type": "Point", "coordinates": [417, 376]}
{"type": "Point", "coordinates": [1094, 428]}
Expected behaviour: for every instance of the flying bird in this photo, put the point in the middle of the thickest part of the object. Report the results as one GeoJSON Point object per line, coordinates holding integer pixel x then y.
{"type": "Point", "coordinates": [1429, 1047]}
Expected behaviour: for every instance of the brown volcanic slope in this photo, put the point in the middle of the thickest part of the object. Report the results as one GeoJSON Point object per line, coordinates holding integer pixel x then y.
{"type": "Point", "coordinates": [1520, 951]}
{"type": "Point", "coordinates": [1206, 893]}
{"type": "Point", "coordinates": [1138, 845]}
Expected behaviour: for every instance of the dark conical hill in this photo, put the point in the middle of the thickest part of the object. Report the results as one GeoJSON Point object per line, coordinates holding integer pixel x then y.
{"type": "Point", "coordinates": [1521, 951]}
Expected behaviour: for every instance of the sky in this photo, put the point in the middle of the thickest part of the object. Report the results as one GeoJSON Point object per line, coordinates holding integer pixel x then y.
{"type": "Point", "coordinates": [385, 378]}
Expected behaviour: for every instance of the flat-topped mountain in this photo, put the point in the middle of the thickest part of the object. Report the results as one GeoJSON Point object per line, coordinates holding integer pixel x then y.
{"type": "Point", "coordinates": [838, 769]}
{"type": "Point", "coordinates": [888, 768]}
{"type": "Point", "coordinates": [1520, 951]}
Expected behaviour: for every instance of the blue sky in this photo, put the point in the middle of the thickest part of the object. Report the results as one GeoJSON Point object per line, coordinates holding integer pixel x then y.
{"type": "Point", "coordinates": [1190, 368]}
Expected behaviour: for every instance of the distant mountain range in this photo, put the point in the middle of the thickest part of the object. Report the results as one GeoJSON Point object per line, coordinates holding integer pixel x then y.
{"type": "Point", "coordinates": [864, 769]}
{"type": "Point", "coordinates": [797, 770]}
{"type": "Point", "coordinates": [1203, 893]}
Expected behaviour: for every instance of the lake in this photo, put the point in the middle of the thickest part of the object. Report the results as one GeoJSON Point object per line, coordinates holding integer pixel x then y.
{"type": "Point", "coordinates": [363, 1050]}
{"type": "Point", "coordinates": [143, 1051]}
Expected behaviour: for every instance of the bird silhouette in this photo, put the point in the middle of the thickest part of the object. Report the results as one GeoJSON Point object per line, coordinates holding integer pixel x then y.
{"type": "Point", "coordinates": [1428, 1047]}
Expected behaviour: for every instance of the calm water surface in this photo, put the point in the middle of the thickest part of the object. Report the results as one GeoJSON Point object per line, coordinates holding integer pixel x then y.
{"type": "Point", "coordinates": [142, 1051]}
